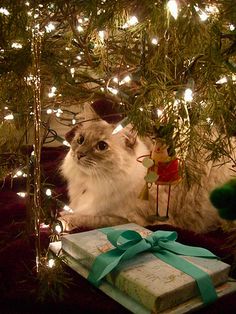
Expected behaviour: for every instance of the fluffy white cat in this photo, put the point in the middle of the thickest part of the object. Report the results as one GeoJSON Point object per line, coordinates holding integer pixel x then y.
{"type": "Point", "coordinates": [104, 183]}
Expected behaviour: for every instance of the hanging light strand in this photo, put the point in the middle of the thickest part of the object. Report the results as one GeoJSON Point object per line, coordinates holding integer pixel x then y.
{"type": "Point", "coordinates": [36, 53]}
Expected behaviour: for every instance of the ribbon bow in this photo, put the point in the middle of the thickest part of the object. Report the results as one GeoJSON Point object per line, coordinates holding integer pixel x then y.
{"type": "Point", "coordinates": [162, 244]}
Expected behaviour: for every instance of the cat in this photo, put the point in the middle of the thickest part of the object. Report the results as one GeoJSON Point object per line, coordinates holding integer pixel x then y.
{"type": "Point", "coordinates": [103, 176]}
{"type": "Point", "coordinates": [105, 179]}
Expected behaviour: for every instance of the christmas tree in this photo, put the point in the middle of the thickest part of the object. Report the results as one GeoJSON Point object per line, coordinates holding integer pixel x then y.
{"type": "Point", "coordinates": [168, 66]}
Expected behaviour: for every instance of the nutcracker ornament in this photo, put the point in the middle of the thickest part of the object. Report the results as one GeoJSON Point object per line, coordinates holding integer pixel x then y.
{"type": "Point", "coordinates": [162, 169]}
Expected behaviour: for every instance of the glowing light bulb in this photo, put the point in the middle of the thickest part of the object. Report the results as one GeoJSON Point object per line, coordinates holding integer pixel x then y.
{"type": "Point", "coordinates": [4, 11]}
{"type": "Point", "coordinates": [115, 79]}
{"type": "Point", "coordinates": [231, 27]}
{"type": "Point", "coordinates": [223, 80]}
{"type": "Point", "coordinates": [52, 92]}
{"type": "Point", "coordinates": [16, 45]}
{"type": "Point", "coordinates": [22, 194]}
{"type": "Point", "coordinates": [80, 29]}
{"type": "Point", "coordinates": [67, 208]}
{"type": "Point", "coordinates": [19, 173]}
{"type": "Point", "coordinates": [188, 95]}
{"type": "Point", "coordinates": [50, 27]}
{"type": "Point", "coordinates": [203, 16]}
{"type": "Point", "coordinates": [121, 125]}
{"type": "Point", "coordinates": [78, 57]}
{"type": "Point", "coordinates": [113, 90]}
{"type": "Point", "coordinates": [58, 228]}
{"type": "Point", "coordinates": [9, 117]}
{"type": "Point", "coordinates": [72, 71]}
{"type": "Point", "coordinates": [126, 79]}
{"type": "Point", "coordinates": [173, 8]}
{"type": "Point", "coordinates": [48, 192]}
{"type": "Point", "coordinates": [66, 143]}
{"type": "Point", "coordinates": [73, 121]}
{"type": "Point", "coordinates": [101, 35]}
{"type": "Point", "coordinates": [51, 263]}
{"type": "Point", "coordinates": [133, 20]}
{"type": "Point", "coordinates": [49, 111]}
{"type": "Point", "coordinates": [154, 41]}
{"type": "Point", "coordinates": [159, 113]}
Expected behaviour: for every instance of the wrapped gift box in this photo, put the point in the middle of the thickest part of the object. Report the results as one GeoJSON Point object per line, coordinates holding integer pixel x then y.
{"type": "Point", "coordinates": [145, 280]}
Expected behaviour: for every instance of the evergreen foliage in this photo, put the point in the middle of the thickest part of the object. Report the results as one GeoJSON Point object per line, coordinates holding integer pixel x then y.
{"type": "Point", "coordinates": [153, 56]}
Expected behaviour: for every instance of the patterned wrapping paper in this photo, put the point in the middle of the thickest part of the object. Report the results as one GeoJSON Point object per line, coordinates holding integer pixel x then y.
{"type": "Point", "coordinates": [148, 280]}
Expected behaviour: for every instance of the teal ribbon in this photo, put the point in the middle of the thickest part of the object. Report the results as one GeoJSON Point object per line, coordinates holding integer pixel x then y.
{"type": "Point", "coordinates": [162, 244]}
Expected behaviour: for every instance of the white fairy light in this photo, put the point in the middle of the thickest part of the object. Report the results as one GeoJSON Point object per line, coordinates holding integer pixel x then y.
{"type": "Point", "coordinates": [27, 3]}
{"type": "Point", "coordinates": [52, 92]}
{"type": "Point", "coordinates": [73, 121]}
{"type": "Point", "coordinates": [58, 228]}
{"type": "Point", "coordinates": [188, 95]}
{"type": "Point", "coordinates": [121, 125]}
{"type": "Point", "coordinates": [154, 41]}
{"type": "Point", "coordinates": [4, 11]}
{"type": "Point", "coordinates": [159, 113]}
{"type": "Point", "coordinates": [113, 90]}
{"type": "Point", "coordinates": [131, 22]}
{"type": "Point", "coordinates": [50, 27]}
{"type": "Point", "coordinates": [78, 57]}
{"type": "Point", "coordinates": [203, 16]}
{"type": "Point", "coordinates": [231, 27]}
{"type": "Point", "coordinates": [59, 112]}
{"type": "Point", "coordinates": [9, 117]}
{"type": "Point", "coordinates": [126, 79]}
{"type": "Point", "coordinates": [141, 109]}
{"type": "Point", "coordinates": [16, 45]}
{"type": "Point", "coordinates": [223, 80]}
{"type": "Point", "coordinates": [101, 35]}
{"type": "Point", "coordinates": [6, 107]}
{"type": "Point", "coordinates": [22, 194]}
{"type": "Point", "coordinates": [72, 71]}
{"type": "Point", "coordinates": [80, 29]}
{"type": "Point", "coordinates": [212, 9]}
{"type": "Point", "coordinates": [51, 263]}
{"type": "Point", "coordinates": [115, 79]}
{"type": "Point", "coordinates": [66, 143]}
{"type": "Point", "coordinates": [67, 208]}
{"type": "Point", "coordinates": [49, 111]}
{"type": "Point", "coordinates": [102, 89]}
{"type": "Point", "coordinates": [48, 192]}
{"type": "Point", "coordinates": [19, 173]}
{"type": "Point", "coordinates": [173, 8]}
{"type": "Point", "coordinates": [80, 20]}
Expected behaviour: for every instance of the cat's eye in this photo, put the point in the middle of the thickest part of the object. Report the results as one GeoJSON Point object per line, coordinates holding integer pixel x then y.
{"type": "Point", "coordinates": [101, 145]}
{"type": "Point", "coordinates": [80, 140]}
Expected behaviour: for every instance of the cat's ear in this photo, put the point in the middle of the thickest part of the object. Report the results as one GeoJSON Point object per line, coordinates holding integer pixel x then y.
{"type": "Point", "coordinates": [130, 137]}
{"type": "Point", "coordinates": [71, 134]}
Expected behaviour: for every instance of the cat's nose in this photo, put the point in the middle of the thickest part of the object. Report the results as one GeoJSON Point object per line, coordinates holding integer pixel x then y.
{"type": "Point", "coordinates": [80, 155]}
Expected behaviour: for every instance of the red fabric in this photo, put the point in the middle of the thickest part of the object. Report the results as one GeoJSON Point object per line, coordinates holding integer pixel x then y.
{"type": "Point", "coordinates": [168, 171]}
{"type": "Point", "coordinates": [18, 284]}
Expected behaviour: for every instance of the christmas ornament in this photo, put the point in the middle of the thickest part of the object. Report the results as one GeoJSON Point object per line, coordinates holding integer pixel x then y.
{"type": "Point", "coordinates": [162, 169]}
